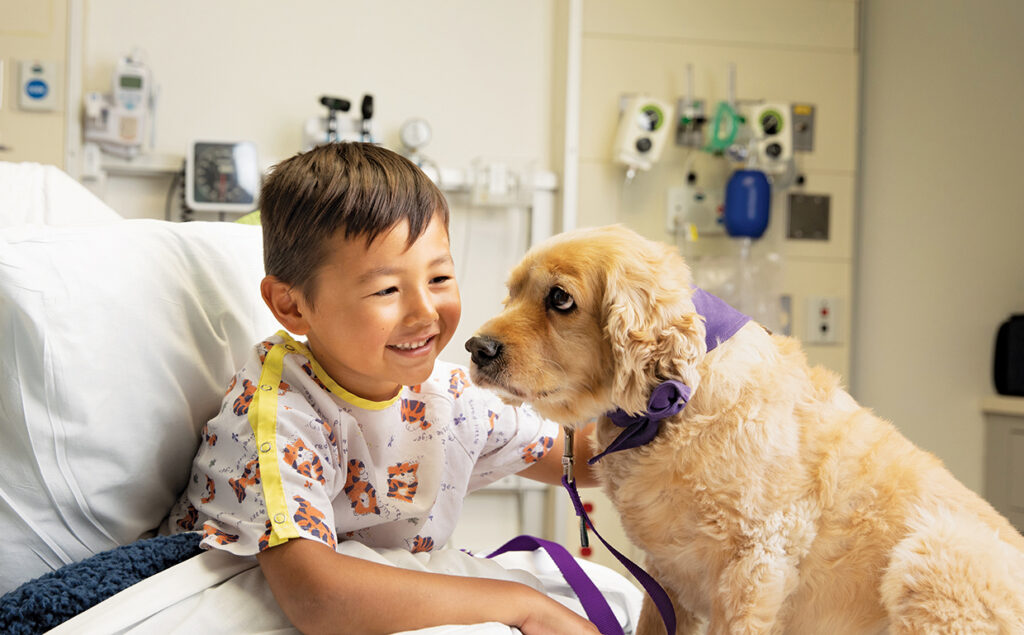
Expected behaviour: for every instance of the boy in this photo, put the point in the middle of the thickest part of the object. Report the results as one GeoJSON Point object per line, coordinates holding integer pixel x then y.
{"type": "Point", "coordinates": [357, 433]}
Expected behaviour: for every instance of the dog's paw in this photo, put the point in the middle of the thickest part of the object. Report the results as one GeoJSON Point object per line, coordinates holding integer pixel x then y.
{"type": "Point", "coordinates": [508, 400]}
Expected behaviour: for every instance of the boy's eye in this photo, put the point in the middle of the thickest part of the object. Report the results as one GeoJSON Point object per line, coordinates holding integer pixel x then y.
{"type": "Point", "coordinates": [440, 279]}
{"type": "Point", "coordinates": [388, 291]}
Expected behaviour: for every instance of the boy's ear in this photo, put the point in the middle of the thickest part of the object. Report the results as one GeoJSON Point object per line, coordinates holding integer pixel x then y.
{"type": "Point", "coordinates": [282, 300]}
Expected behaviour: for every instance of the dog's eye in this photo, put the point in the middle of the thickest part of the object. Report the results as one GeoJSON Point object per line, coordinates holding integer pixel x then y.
{"type": "Point", "coordinates": [559, 300]}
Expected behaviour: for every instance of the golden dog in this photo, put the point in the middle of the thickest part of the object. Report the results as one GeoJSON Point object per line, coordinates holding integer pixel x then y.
{"type": "Point", "coordinates": [772, 503]}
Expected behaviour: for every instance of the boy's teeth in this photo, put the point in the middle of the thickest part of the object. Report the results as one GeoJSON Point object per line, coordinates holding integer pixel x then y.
{"type": "Point", "coordinates": [411, 345]}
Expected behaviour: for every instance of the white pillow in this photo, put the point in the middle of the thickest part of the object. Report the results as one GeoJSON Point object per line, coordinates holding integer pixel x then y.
{"type": "Point", "coordinates": [120, 341]}
{"type": "Point", "coordinates": [36, 193]}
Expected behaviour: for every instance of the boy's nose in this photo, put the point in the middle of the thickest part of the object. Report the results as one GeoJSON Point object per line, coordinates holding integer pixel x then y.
{"type": "Point", "coordinates": [421, 309]}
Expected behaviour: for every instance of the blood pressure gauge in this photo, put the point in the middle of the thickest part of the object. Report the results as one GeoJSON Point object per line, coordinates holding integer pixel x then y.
{"type": "Point", "coordinates": [415, 134]}
{"type": "Point", "coordinates": [222, 176]}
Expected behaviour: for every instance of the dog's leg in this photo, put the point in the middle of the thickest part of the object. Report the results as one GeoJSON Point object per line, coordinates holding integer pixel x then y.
{"type": "Point", "coordinates": [954, 575]}
{"type": "Point", "coordinates": [750, 595]}
{"type": "Point", "coordinates": [650, 619]}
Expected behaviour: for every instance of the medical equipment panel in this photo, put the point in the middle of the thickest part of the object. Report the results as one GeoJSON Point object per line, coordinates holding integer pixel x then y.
{"type": "Point", "coordinates": [120, 121]}
{"type": "Point", "coordinates": [643, 133]}
{"type": "Point", "coordinates": [773, 137]}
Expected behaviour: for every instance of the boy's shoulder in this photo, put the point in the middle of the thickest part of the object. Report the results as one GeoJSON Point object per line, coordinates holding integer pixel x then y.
{"type": "Point", "coordinates": [264, 345]}
{"type": "Point", "coordinates": [447, 380]}
{"type": "Point", "coordinates": [450, 382]}
{"type": "Point", "coordinates": [258, 352]}
{"type": "Point", "coordinates": [281, 358]}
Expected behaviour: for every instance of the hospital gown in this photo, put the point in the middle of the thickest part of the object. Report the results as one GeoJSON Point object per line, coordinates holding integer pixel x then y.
{"type": "Point", "coordinates": [387, 474]}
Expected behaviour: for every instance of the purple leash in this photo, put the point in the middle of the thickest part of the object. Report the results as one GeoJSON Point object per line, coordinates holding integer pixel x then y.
{"type": "Point", "coordinates": [658, 594]}
{"type": "Point", "coordinates": [594, 604]}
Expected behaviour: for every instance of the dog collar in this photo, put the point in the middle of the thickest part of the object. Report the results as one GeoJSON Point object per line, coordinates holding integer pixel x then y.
{"type": "Point", "coordinates": [670, 397]}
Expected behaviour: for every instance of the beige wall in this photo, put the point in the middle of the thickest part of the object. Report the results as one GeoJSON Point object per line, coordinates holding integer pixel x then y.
{"type": "Point", "coordinates": [940, 261]}
{"type": "Point", "coordinates": [32, 31]}
{"type": "Point", "coordinates": [479, 72]}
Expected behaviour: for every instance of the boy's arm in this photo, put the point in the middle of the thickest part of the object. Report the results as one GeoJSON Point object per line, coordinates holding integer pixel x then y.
{"type": "Point", "coordinates": [549, 468]}
{"type": "Point", "coordinates": [322, 591]}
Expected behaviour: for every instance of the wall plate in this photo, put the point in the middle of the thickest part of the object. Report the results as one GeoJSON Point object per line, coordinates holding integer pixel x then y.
{"type": "Point", "coordinates": [38, 87]}
{"type": "Point", "coordinates": [821, 325]}
{"type": "Point", "coordinates": [808, 216]}
{"type": "Point", "coordinates": [803, 127]}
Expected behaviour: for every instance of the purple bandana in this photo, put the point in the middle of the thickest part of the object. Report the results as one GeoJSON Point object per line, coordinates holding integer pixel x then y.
{"type": "Point", "coordinates": [668, 398]}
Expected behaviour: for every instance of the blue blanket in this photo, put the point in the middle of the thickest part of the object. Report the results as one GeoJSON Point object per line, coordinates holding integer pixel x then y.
{"type": "Point", "coordinates": [51, 599]}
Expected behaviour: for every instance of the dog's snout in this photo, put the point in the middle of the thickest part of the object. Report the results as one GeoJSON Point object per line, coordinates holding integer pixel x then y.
{"type": "Point", "coordinates": [484, 350]}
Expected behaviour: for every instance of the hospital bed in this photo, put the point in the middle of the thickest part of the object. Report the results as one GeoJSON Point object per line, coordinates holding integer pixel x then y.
{"type": "Point", "coordinates": [119, 336]}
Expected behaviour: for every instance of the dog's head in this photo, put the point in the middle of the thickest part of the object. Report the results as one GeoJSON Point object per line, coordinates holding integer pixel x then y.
{"type": "Point", "coordinates": [594, 320]}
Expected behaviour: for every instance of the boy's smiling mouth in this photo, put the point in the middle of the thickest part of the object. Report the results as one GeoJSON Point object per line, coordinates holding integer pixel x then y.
{"type": "Point", "coordinates": [414, 346]}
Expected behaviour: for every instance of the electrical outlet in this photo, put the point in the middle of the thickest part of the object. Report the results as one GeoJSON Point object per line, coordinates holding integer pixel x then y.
{"type": "Point", "coordinates": [821, 325]}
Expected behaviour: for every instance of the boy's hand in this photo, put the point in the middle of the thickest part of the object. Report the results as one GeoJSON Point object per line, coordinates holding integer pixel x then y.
{"type": "Point", "coordinates": [551, 618]}
{"type": "Point", "coordinates": [549, 468]}
{"type": "Point", "coordinates": [322, 591]}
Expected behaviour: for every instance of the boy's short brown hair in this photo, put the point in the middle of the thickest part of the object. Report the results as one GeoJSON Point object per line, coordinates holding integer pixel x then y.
{"type": "Point", "coordinates": [359, 188]}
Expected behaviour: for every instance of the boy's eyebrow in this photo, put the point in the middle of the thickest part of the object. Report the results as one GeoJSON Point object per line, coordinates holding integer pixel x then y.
{"type": "Point", "coordinates": [385, 270]}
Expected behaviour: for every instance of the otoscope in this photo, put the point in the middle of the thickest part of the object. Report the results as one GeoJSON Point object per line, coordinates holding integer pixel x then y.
{"type": "Point", "coordinates": [367, 111]}
{"type": "Point", "coordinates": [334, 104]}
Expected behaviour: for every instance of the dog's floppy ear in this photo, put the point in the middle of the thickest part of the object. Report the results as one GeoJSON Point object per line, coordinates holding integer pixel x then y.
{"type": "Point", "coordinates": [651, 324]}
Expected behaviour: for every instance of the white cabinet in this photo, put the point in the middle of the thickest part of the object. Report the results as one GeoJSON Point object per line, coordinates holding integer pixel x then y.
{"type": "Point", "coordinates": [1004, 456]}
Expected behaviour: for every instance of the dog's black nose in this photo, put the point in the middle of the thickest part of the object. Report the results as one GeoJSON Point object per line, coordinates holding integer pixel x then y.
{"type": "Point", "coordinates": [484, 350]}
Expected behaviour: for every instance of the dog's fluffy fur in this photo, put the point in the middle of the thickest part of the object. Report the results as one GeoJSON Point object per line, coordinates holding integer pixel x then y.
{"type": "Point", "coordinates": [772, 503]}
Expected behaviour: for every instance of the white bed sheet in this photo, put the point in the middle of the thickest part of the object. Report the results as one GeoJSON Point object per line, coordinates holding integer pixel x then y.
{"type": "Point", "coordinates": [216, 592]}
{"type": "Point", "coordinates": [32, 193]}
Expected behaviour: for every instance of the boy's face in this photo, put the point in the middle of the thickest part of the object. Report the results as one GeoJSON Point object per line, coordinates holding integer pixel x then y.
{"type": "Point", "coordinates": [383, 312]}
